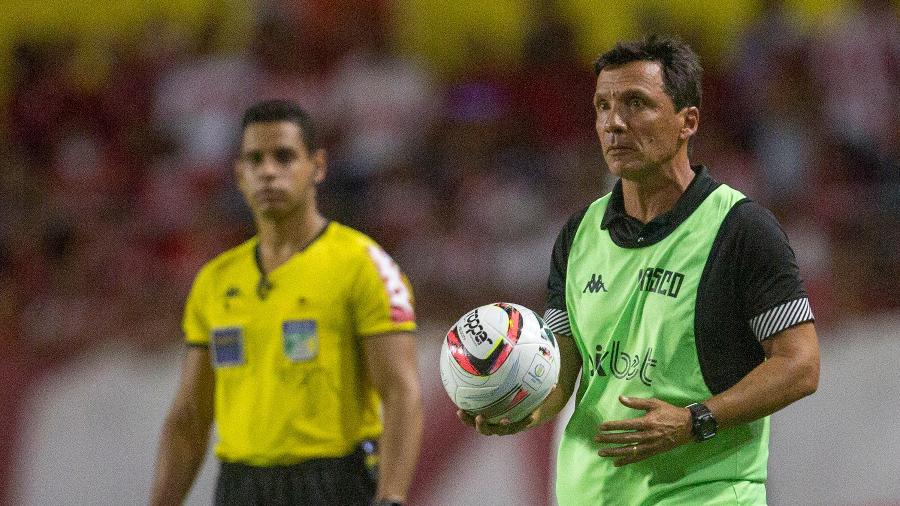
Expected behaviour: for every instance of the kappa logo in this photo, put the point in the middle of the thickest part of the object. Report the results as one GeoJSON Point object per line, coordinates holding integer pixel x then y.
{"type": "Point", "coordinates": [595, 284]}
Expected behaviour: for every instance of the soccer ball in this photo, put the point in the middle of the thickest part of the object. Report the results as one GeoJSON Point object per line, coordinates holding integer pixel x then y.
{"type": "Point", "coordinates": [499, 360]}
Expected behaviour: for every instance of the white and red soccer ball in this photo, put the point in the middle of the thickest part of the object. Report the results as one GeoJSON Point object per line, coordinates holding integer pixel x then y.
{"type": "Point", "coordinates": [499, 360]}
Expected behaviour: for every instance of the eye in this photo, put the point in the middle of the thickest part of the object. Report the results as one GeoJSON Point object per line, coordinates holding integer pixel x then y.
{"type": "Point", "coordinates": [284, 156]}
{"type": "Point", "coordinates": [635, 103]}
{"type": "Point", "coordinates": [253, 157]}
{"type": "Point", "coordinates": [602, 105]}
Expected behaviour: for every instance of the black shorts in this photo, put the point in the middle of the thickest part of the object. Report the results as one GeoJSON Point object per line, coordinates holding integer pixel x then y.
{"type": "Point", "coordinates": [344, 481]}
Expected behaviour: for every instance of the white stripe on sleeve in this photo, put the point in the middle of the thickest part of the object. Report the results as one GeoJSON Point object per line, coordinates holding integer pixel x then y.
{"type": "Point", "coordinates": [781, 317]}
{"type": "Point", "coordinates": [558, 321]}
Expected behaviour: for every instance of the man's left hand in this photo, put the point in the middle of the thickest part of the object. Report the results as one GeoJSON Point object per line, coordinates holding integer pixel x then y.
{"type": "Point", "coordinates": [662, 428]}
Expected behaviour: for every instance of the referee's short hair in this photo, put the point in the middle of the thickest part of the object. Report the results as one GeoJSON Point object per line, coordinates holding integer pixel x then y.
{"type": "Point", "coordinates": [681, 70]}
{"type": "Point", "coordinates": [269, 111]}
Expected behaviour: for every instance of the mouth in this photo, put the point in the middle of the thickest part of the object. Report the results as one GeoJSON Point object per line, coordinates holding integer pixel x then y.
{"type": "Point", "coordinates": [613, 150]}
{"type": "Point", "coordinates": [269, 194]}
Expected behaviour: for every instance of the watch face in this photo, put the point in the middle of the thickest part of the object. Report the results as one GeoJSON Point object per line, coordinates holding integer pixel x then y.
{"type": "Point", "coordinates": [707, 427]}
{"type": "Point", "coordinates": [704, 423]}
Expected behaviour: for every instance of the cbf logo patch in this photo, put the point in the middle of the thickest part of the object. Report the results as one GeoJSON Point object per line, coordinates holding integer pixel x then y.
{"type": "Point", "coordinates": [228, 346]}
{"type": "Point", "coordinates": [301, 341]}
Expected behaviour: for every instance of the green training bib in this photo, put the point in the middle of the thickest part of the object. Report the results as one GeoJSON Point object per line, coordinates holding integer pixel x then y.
{"type": "Point", "coordinates": [632, 316]}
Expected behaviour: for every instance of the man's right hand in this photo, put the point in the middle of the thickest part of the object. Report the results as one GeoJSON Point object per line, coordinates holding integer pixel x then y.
{"type": "Point", "coordinates": [570, 367]}
{"type": "Point", "coordinates": [504, 428]}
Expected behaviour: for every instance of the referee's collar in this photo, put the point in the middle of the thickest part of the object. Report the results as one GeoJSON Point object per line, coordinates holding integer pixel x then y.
{"type": "Point", "coordinates": [698, 189]}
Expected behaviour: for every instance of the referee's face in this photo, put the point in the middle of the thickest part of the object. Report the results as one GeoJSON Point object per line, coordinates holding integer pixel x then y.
{"type": "Point", "coordinates": [275, 171]}
{"type": "Point", "coordinates": [637, 124]}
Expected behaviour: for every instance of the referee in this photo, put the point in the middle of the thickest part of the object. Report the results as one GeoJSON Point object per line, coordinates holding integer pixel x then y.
{"type": "Point", "coordinates": [297, 340]}
{"type": "Point", "coordinates": [678, 302]}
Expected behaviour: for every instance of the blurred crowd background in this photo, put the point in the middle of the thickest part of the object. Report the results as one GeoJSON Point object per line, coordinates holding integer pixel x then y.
{"type": "Point", "coordinates": [460, 136]}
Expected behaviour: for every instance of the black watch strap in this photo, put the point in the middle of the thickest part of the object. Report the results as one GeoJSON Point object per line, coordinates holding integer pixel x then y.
{"type": "Point", "coordinates": [703, 423]}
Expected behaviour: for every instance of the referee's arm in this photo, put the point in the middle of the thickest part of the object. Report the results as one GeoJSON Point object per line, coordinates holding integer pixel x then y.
{"type": "Point", "coordinates": [185, 432]}
{"type": "Point", "coordinates": [390, 361]}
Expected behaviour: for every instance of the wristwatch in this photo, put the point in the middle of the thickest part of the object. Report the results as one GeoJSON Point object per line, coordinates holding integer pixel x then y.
{"type": "Point", "coordinates": [703, 423]}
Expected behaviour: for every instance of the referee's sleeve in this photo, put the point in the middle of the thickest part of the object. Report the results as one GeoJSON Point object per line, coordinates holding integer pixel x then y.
{"type": "Point", "coordinates": [194, 323]}
{"type": "Point", "coordinates": [767, 274]}
{"type": "Point", "coordinates": [381, 298]}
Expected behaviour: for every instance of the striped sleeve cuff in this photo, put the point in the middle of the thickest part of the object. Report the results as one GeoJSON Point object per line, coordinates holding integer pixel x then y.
{"type": "Point", "coordinates": [781, 317]}
{"type": "Point", "coordinates": [558, 321]}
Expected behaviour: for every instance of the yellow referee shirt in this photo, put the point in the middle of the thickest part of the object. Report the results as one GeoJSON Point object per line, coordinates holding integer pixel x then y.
{"type": "Point", "coordinates": [290, 383]}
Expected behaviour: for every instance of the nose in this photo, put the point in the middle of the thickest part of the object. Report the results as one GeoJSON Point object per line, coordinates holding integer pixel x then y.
{"type": "Point", "coordinates": [267, 167]}
{"type": "Point", "coordinates": [612, 122]}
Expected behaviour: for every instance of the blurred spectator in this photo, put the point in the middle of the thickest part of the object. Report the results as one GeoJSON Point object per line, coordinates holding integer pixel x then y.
{"type": "Point", "coordinates": [291, 65]}
{"type": "Point", "coordinates": [382, 100]}
{"type": "Point", "coordinates": [43, 95]}
{"type": "Point", "coordinates": [555, 87]}
{"type": "Point", "coordinates": [783, 138]}
{"type": "Point", "coordinates": [762, 54]}
{"type": "Point", "coordinates": [770, 109]}
{"type": "Point", "coordinates": [197, 100]}
{"type": "Point", "coordinates": [856, 61]}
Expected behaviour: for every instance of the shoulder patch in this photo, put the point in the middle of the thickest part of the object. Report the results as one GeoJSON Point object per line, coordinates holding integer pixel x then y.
{"type": "Point", "coordinates": [398, 293]}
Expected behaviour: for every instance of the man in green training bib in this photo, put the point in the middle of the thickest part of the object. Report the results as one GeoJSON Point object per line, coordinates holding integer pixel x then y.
{"type": "Point", "coordinates": [678, 303]}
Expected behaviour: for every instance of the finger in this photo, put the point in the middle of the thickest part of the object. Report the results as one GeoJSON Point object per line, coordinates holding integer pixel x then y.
{"type": "Point", "coordinates": [521, 425]}
{"type": "Point", "coordinates": [465, 418]}
{"type": "Point", "coordinates": [502, 428]}
{"type": "Point", "coordinates": [505, 427]}
{"type": "Point", "coordinates": [639, 423]}
{"type": "Point", "coordinates": [624, 451]}
{"type": "Point", "coordinates": [633, 437]}
{"type": "Point", "coordinates": [624, 455]}
{"type": "Point", "coordinates": [483, 426]}
{"type": "Point", "coordinates": [643, 404]}
{"type": "Point", "coordinates": [638, 455]}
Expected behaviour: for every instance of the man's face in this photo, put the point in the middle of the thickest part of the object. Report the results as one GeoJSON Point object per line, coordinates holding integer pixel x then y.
{"type": "Point", "coordinates": [637, 124]}
{"type": "Point", "coordinates": [275, 171]}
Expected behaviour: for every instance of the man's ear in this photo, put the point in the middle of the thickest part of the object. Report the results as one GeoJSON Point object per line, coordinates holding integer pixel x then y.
{"type": "Point", "coordinates": [320, 159]}
{"type": "Point", "coordinates": [690, 122]}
